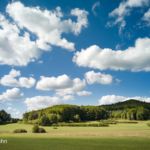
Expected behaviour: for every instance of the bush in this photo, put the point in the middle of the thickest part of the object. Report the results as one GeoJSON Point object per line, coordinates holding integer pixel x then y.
{"type": "Point", "coordinates": [148, 124]}
{"type": "Point", "coordinates": [41, 130]}
{"type": "Point", "coordinates": [36, 129]}
{"type": "Point", "coordinates": [20, 131]}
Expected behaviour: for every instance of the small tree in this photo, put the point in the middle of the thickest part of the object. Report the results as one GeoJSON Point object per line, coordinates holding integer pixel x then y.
{"type": "Point", "coordinates": [35, 128]}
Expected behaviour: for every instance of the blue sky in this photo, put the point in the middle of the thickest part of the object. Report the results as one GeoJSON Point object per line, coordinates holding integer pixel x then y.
{"type": "Point", "coordinates": [105, 57]}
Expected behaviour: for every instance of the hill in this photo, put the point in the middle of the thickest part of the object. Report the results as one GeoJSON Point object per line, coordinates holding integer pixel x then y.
{"type": "Point", "coordinates": [132, 103]}
{"type": "Point", "coordinates": [130, 109]}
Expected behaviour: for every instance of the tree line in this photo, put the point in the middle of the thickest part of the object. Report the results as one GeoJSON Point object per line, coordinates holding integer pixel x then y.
{"type": "Point", "coordinates": [6, 118]}
{"type": "Point", "coordinates": [131, 110]}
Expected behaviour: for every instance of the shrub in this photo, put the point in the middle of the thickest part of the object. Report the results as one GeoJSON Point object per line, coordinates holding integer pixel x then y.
{"type": "Point", "coordinates": [36, 129]}
{"type": "Point", "coordinates": [148, 124]}
{"type": "Point", "coordinates": [20, 131]}
{"type": "Point", "coordinates": [41, 130]}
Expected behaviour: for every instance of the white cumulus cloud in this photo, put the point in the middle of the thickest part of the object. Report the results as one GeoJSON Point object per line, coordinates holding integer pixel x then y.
{"type": "Point", "coordinates": [11, 94]}
{"type": "Point", "coordinates": [16, 49]}
{"type": "Point", "coordinates": [63, 86]}
{"type": "Point", "coordinates": [54, 83]}
{"type": "Point", "coordinates": [98, 77]}
{"type": "Point", "coordinates": [51, 26]}
{"type": "Point", "coordinates": [14, 79]}
{"type": "Point", "coordinates": [60, 83]}
{"type": "Point", "coordinates": [135, 58]}
{"type": "Point", "coordinates": [39, 102]}
{"type": "Point", "coordinates": [84, 93]}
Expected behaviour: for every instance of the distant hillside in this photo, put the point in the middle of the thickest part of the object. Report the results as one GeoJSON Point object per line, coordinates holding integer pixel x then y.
{"type": "Point", "coordinates": [130, 109]}
{"type": "Point", "coordinates": [132, 103]}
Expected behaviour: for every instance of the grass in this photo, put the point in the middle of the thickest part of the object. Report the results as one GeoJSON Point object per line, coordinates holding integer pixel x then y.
{"type": "Point", "coordinates": [121, 136]}
{"type": "Point", "coordinates": [76, 144]}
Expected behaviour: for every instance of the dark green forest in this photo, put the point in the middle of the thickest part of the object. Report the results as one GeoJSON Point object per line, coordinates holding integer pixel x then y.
{"type": "Point", "coordinates": [4, 117]}
{"type": "Point", "coordinates": [131, 110]}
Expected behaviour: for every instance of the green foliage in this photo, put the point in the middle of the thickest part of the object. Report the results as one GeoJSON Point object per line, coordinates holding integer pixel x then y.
{"type": "Point", "coordinates": [36, 129]}
{"type": "Point", "coordinates": [130, 110]}
{"type": "Point", "coordinates": [148, 124]}
{"type": "Point", "coordinates": [76, 118]}
{"type": "Point", "coordinates": [4, 117]}
{"type": "Point", "coordinates": [54, 118]}
{"type": "Point", "coordinates": [41, 130]}
{"type": "Point", "coordinates": [136, 113]}
{"type": "Point", "coordinates": [20, 131]}
{"type": "Point", "coordinates": [44, 121]}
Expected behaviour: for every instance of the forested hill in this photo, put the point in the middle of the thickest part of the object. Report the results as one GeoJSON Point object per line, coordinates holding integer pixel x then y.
{"type": "Point", "coordinates": [132, 103]}
{"type": "Point", "coordinates": [131, 109]}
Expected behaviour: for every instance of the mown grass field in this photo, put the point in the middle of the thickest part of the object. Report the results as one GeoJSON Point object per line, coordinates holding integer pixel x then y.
{"type": "Point", "coordinates": [122, 136]}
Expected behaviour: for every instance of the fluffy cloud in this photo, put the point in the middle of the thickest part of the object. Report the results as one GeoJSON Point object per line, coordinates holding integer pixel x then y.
{"type": "Point", "coordinates": [62, 82]}
{"type": "Point", "coordinates": [84, 93]}
{"type": "Point", "coordinates": [13, 79]}
{"type": "Point", "coordinates": [39, 102]}
{"type": "Point", "coordinates": [26, 82]}
{"type": "Point", "coordinates": [111, 99]}
{"type": "Point", "coordinates": [147, 17]}
{"type": "Point", "coordinates": [19, 49]}
{"type": "Point", "coordinates": [82, 20]}
{"type": "Point", "coordinates": [63, 86]}
{"type": "Point", "coordinates": [11, 94]}
{"type": "Point", "coordinates": [16, 49]}
{"type": "Point", "coordinates": [124, 9]}
{"type": "Point", "coordinates": [77, 86]}
{"type": "Point", "coordinates": [54, 83]}
{"type": "Point", "coordinates": [98, 77]}
{"type": "Point", "coordinates": [51, 26]}
{"type": "Point", "coordinates": [135, 58]}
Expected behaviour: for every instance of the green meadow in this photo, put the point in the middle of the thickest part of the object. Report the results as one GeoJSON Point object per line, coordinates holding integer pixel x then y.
{"type": "Point", "coordinates": [122, 136]}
